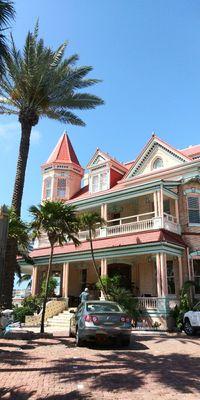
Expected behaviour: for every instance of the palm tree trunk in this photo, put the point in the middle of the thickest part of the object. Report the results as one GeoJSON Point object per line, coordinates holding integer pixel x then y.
{"type": "Point", "coordinates": [8, 273]}
{"type": "Point", "coordinates": [95, 266]}
{"type": "Point", "coordinates": [46, 290]}
{"type": "Point", "coordinates": [11, 250]}
{"type": "Point", "coordinates": [21, 166]}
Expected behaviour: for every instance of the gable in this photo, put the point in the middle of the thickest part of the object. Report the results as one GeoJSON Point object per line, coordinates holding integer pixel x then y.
{"type": "Point", "coordinates": [99, 158]}
{"type": "Point", "coordinates": [156, 155]}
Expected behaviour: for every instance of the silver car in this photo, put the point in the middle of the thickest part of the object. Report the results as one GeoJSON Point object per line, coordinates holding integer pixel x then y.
{"type": "Point", "coordinates": [99, 321]}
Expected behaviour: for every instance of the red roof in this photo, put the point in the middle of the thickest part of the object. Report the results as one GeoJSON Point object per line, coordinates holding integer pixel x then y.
{"type": "Point", "coordinates": [191, 150]}
{"type": "Point", "coordinates": [63, 152]}
{"type": "Point", "coordinates": [115, 241]}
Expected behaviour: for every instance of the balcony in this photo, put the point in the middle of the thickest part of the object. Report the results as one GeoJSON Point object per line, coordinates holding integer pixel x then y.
{"type": "Point", "coordinates": [126, 225]}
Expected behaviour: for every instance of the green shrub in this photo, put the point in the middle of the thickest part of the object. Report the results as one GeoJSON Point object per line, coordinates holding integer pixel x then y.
{"type": "Point", "coordinates": [186, 304]}
{"type": "Point", "coordinates": [29, 306]}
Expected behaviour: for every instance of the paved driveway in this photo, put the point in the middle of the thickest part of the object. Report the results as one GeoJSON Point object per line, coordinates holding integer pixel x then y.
{"type": "Point", "coordinates": [54, 369]}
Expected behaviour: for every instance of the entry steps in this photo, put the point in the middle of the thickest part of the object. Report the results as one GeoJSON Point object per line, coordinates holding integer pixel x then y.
{"type": "Point", "coordinates": [60, 321]}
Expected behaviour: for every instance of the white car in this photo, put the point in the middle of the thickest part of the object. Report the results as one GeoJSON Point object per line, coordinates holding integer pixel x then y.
{"type": "Point", "coordinates": [191, 320]}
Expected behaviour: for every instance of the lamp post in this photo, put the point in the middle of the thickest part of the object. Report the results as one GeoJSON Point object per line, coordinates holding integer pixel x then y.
{"type": "Point", "coordinates": [3, 242]}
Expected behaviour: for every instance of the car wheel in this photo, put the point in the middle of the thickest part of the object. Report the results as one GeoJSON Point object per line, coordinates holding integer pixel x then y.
{"type": "Point", "coordinates": [189, 330]}
{"type": "Point", "coordinates": [79, 342]}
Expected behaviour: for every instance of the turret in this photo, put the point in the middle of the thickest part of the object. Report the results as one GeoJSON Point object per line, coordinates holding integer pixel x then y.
{"type": "Point", "coordinates": [62, 172]}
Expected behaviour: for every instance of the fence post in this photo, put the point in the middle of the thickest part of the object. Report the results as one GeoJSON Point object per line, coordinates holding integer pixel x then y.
{"type": "Point", "coordinates": [3, 242]}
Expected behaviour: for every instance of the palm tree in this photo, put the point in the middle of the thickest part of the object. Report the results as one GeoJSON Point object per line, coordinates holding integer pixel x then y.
{"type": "Point", "coordinates": [91, 221]}
{"type": "Point", "coordinates": [40, 82]}
{"type": "Point", "coordinates": [17, 244]}
{"type": "Point", "coordinates": [59, 222]}
{"type": "Point", "coordinates": [7, 13]}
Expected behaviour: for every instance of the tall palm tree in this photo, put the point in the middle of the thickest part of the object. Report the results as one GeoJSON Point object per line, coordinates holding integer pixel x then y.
{"type": "Point", "coordinates": [40, 82]}
{"type": "Point", "coordinates": [91, 221]}
{"type": "Point", "coordinates": [59, 222]}
{"type": "Point", "coordinates": [7, 13]}
{"type": "Point", "coordinates": [17, 244]}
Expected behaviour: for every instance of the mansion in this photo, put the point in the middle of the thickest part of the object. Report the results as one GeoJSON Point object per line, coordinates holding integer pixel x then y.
{"type": "Point", "coordinates": [152, 234]}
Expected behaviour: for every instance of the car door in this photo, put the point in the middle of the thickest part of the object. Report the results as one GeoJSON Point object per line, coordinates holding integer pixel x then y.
{"type": "Point", "coordinates": [195, 318]}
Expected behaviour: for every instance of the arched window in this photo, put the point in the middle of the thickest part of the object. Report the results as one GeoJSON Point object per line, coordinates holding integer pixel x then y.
{"type": "Point", "coordinates": [158, 163]}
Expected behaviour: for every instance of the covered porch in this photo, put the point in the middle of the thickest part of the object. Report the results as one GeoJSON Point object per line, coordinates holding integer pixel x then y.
{"type": "Point", "coordinates": [150, 277]}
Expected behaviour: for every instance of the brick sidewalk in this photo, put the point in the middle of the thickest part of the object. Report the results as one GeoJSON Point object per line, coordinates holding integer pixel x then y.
{"type": "Point", "coordinates": [54, 369]}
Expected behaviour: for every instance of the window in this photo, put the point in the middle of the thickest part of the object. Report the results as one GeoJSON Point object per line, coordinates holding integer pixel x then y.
{"type": "Point", "coordinates": [170, 277]}
{"type": "Point", "coordinates": [158, 163]}
{"type": "Point", "coordinates": [47, 188]}
{"type": "Point", "coordinates": [61, 188]}
{"type": "Point", "coordinates": [196, 265]}
{"type": "Point", "coordinates": [194, 209]}
{"type": "Point", "coordinates": [99, 182]}
{"type": "Point", "coordinates": [166, 206]}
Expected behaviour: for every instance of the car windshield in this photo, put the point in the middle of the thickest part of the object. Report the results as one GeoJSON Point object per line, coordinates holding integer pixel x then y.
{"type": "Point", "coordinates": [103, 307]}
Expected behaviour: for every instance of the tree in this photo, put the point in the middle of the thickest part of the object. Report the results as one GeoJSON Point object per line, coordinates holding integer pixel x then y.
{"type": "Point", "coordinates": [40, 82]}
{"type": "Point", "coordinates": [91, 221]}
{"type": "Point", "coordinates": [17, 244]}
{"type": "Point", "coordinates": [7, 13]}
{"type": "Point", "coordinates": [59, 222]}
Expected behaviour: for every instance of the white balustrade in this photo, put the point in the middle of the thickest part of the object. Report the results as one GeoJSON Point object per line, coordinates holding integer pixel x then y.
{"type": "Point", "coordinates": [147, 302]}
{"type": "Point", "coordinates": [125, 225]}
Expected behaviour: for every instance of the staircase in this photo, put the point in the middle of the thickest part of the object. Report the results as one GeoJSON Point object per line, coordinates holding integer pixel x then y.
{"type": "Point", "coordinates": [60, 322]}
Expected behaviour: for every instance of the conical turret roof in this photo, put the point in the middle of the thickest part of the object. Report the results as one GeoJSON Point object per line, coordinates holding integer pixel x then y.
{"type": "Point", "coordinates": [63, 152]}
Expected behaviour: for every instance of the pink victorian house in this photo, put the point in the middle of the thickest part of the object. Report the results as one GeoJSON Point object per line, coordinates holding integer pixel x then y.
{"type": "Point", "coordinates": [152, 235]}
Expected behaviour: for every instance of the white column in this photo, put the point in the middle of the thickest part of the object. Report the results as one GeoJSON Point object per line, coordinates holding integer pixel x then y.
{"type": "Point", "coordinates": [104, 271]}
{"type": "Point", "coordinates": [163, 266]}
{"type": "Point", "coordinates": [158, 273]}
{"type": "Point", "coordinates": [104, 267]}
{"type": "Point", "coordinates": [155, 204]}
{"type": "Point", "coordinates": [104, 211]}
{"type": "Point", "coordinates": [34, 280]}
{"type": "Point", "coordinates": [161, 205]}
{"type": "Point", "coordinates": [180, 269]}
{"type": "Point", "coordinates": [177, 210]}
{"type": "Point", "coordinates": [65, 281]}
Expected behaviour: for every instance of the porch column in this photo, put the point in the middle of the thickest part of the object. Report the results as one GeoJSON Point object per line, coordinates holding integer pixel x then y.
{"type": "Point", "coordinates": [65, 281]}
{"type": "Point", "coordinates": [155, 197]}
{"type": "Point", "coordinates": [177, 210]}
{"type": "Point", "coordinates": [158, 273]}
{"type": "Point", "coordinates": [159, 204]}
{"type": "Point", "coordinates": [34, 280]}
{"type": "Point", "coordinates": [180, 269]}
{"type": "Point", "coordinates": [104, 267]}
{"type": "Point", "coordinates": [104, 271]}
{"type": "Point", "coordinates": [104, 211]}
{"type": "Point", "coordinates": [163, 266]}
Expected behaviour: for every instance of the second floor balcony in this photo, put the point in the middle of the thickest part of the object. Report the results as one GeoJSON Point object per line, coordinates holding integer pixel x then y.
{"type": "Point", "coordinates": [139, 214]}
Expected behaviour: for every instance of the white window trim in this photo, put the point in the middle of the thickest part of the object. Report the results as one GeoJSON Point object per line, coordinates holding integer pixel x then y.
{"type": "Point", "coordinates": [192, 194]}
{"type": "Point", "coordinates": [98, 174]}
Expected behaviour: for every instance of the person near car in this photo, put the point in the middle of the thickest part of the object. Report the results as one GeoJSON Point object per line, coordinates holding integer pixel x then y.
{"type": "Point", "coordinates": [84, 296]}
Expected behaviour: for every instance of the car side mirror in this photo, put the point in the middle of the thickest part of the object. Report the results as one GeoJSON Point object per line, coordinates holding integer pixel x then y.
{"type": "Point", "coordinates": [72, 312]}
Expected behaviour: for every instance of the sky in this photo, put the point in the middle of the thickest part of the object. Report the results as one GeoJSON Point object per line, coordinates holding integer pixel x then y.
{"type": "Point", "coordinates": [147, 54]}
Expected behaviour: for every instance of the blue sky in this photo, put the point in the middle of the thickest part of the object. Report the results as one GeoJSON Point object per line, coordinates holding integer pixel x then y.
{"type": "Point", "coordinates": [147, 53]}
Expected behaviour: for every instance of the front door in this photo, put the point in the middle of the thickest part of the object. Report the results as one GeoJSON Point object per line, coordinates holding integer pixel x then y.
{"type": "Point", "coordinates": [122, 270]}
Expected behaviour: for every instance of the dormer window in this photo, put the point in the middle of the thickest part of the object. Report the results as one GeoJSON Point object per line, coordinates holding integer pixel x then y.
{"type": "Point", "coordinates": [99, 182]}
{"type": "Point", "coordinates": [158, 163]}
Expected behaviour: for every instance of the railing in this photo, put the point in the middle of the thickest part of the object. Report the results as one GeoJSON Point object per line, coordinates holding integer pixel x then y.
{"type": "Point", "coordinates": [147, 302]}
{"type": "Point", "coordinates": [125, 225]}
{"type": "Point", "coordinates": [171, 223]}
{"type": "Point", "coordinates": [130, 227]}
